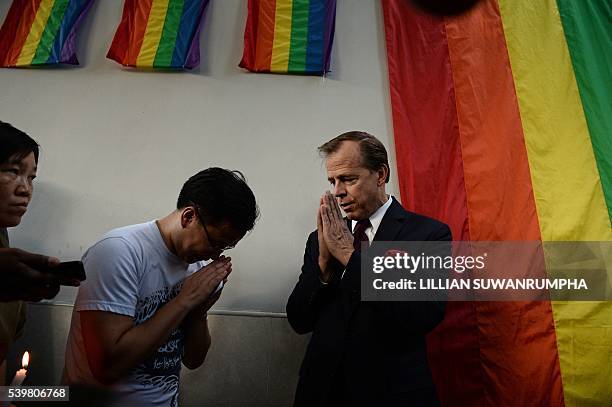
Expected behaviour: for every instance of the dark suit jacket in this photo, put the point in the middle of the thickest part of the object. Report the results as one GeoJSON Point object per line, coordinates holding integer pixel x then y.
{"type": "Point", "coordinates": [374, 351]}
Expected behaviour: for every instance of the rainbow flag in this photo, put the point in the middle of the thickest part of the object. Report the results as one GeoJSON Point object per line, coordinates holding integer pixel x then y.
{"type": "Point", "coordinates": [159, 34]}
{"type": "Point", "coordinates": [289, 36]}
{"type": "Point", "coordinates": [503, 129]}
{"type": "Point", "coordinates": [41, 32]}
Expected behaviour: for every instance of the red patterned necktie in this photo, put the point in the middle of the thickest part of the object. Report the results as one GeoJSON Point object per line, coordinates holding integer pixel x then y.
{"type": "Point", "coordinates": [359, 233]}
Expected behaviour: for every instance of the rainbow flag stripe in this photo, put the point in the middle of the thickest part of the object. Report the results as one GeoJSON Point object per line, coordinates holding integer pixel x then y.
{"type": "Point", "coordinates": [289, 36]}
{"type": "Point", "coordinates": [41, 32]}
{"type": "Point", "coordinates": [161, 34]}
{"type": "Point", "coordinates": [503, 130]}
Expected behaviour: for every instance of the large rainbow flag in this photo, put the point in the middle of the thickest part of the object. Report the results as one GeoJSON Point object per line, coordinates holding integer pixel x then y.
{"type": "Point", "coordinates": [41, 32]}
{"type": "Point", "coordinates": [159, 34]}
{"type": "Point", "coordinates": [289, 36]}
{"type": "Point", "coordinates": [503, 129]}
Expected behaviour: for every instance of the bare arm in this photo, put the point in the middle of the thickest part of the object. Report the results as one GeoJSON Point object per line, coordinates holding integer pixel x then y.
{"type": "Point", "coordinates": [114, 345]}
{"type": "Point", "coordinates": [197, 335]}
{"type": "Point", "coordinates": [197, 340]}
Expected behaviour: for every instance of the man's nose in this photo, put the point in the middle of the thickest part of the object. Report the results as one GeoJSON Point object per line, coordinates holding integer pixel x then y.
{"type": "Point", "coordinates": [339, 190]}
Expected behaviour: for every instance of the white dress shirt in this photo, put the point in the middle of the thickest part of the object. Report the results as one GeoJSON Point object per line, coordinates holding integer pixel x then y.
{"type": "Point", "coordinates": [375, 220]}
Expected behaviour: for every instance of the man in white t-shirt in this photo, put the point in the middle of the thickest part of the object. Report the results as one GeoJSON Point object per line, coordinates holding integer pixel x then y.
{"type": "Point", "coordinates": [142, 310]}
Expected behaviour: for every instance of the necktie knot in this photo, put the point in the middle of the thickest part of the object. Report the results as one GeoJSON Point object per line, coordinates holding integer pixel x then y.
{"type": "Point", "coordinates": [359, 233]}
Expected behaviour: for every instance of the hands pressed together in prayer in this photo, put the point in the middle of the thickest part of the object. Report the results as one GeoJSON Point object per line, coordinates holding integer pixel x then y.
{"type": "Point", "coordinates": [335, 238]}
{"type": "Point", "coordinates": [199, 288]}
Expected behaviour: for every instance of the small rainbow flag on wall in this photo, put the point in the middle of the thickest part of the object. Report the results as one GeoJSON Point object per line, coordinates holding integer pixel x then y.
{"type": "Point", "coordinates": [289, 36]}
{"type": "Point", "coordinates": [159, 34]}
{"type": "Point", "coordinates": [41, 32]}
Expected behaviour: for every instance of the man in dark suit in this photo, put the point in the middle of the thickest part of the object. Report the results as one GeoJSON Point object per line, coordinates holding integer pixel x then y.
{"type": "Point", "coordinates": [360, 353]}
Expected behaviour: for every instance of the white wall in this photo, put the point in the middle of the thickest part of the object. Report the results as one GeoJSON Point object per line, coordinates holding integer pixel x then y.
{"type": "Point", "coordinates": [117, 145]}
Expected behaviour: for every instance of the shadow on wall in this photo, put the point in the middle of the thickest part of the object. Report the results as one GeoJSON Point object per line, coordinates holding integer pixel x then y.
{"type": "Point", "coordinates": [56, 217]}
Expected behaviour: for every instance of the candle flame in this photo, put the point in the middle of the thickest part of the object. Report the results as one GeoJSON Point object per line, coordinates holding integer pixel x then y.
{"type": "Point", "coordinates": [25, 360]}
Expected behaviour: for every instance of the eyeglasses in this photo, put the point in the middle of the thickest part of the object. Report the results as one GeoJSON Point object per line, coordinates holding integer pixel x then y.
{"type": "Point", "coordinates": [216, 246]}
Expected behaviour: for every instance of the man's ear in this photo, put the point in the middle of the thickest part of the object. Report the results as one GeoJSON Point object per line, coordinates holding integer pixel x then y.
{"type": "Point", "coordinates": [383, 174]}
{"type": "Point", "coordinates": [188, 215]}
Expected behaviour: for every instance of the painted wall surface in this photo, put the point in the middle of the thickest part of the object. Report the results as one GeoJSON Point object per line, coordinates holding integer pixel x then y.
{"type": "Point", "coordinates": [117, 145]}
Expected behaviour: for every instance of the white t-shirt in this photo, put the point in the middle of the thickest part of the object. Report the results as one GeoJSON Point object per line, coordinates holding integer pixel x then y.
{"type": "Point", "coordinates": [130, 271]}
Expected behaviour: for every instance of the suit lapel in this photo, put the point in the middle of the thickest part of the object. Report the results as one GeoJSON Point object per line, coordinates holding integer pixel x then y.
{"type": "Point", "coordinates": [388, 230]}
{"type": "Point", "coordinates": [391, 223]}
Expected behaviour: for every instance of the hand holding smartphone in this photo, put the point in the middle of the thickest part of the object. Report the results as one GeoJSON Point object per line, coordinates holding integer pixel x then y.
{"type": "Point", "coordinates": [70, 273]}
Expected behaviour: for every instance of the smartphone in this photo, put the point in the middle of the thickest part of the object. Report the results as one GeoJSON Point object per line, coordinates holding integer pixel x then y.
{"type": "Point", "coordinates": [73, 270]}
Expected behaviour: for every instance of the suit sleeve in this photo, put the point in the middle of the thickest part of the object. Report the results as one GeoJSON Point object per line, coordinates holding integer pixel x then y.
{"type": "Point", "coordinates": [310, 294]}
{"type": "Point", "coordinates": [413, 317]}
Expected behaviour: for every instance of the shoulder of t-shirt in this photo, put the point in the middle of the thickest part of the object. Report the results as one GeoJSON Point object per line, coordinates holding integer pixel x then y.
{"type": "Point", "coordinates": [132, 232]}
{"type": "Point", "coordinates": [131, 239]}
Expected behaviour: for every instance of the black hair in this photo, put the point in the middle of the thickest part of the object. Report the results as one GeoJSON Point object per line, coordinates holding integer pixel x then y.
{"type": "Point", "coordinates": [15, 143]}
{"type": "Point", "coordinates": [221, 196]}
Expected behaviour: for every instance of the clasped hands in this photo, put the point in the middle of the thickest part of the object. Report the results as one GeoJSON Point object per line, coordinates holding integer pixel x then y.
{"type": "Point", "coordinates": [335, 238]}
{"type": "Point", "coordinates": [198, 290]}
